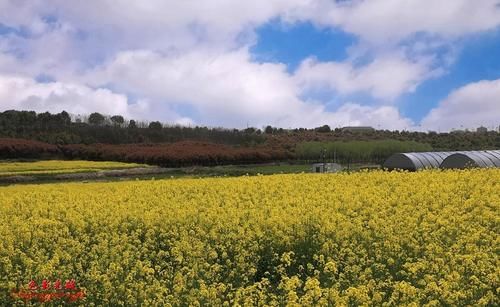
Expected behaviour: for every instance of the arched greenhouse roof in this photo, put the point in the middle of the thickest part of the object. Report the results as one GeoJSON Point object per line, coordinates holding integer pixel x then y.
{"type": "Point", "coordinates": [413, 161]}
{"type": "Point", "coordinates": [465, 159]}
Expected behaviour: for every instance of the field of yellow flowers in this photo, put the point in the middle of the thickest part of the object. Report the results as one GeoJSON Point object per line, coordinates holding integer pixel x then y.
{"type": "Point", "coordinates": [366, 238]}
{"type": "Point", "coordinates": [60, 166]}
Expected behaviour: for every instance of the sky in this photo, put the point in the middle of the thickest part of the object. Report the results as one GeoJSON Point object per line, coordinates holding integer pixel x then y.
{"type": "Point", "coordinates": [428, 65]}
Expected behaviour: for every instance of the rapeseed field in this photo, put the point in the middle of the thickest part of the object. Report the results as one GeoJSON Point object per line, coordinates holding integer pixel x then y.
{"type": "Point", "coordinates": [367, 238]}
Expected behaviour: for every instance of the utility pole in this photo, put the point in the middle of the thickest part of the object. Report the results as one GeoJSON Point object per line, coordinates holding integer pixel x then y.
{"type": "Point", "coordinates": [324, 163]}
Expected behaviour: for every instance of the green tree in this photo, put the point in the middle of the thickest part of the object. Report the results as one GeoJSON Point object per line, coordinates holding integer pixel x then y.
{"type": "Point", "coordinates": [324, 128]}
{"type": "Point", "coordinates": [96, 119]}
{"type": "Point", "coordinates": [155, 126]}
{"type": "Point", "coordinates": [117, 120]}
{"type": "Point", "coordinates": [132, 124]}
{"type": "Point", "coordinates": [64, 118]}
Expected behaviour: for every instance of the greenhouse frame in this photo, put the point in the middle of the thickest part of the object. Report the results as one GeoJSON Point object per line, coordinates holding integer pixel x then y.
{"type": "Point", "coordinates": [468, 159]}
{"type": "Point", "coordinates": [414, 161]}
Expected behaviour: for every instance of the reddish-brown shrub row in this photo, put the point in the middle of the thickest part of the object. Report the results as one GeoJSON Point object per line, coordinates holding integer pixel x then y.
{"type": "Point", "coordinates": [19, 148]}
{"type": "Point", "coordinates": [175, 154]}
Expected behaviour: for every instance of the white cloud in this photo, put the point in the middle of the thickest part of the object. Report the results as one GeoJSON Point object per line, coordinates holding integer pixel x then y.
{"type": "Point", "coordinates": [374, 20]}
{"type": "Point", "coordinates": [52, 52]}
{"type": "Point", "coordinates": [386, 77]}
{"type": "Point", "coordinates": [223, 88]}
{"type": "Point", "coordinates": [27, 94]}
{"type": "Point", "coordinates": [222, 24]}
{"type": "Point", "coordinates": [22, 93]}
{"type": "Point", "coordinates": [172, 14]}
{"type": "Point", "coordinates": [14, 13]}
{"type": "Point", "coordinates": [195, 54]}
{"type": "Point", "coordinates": [153, 24]}
{"type": "Point", "coordinates": [384, 117]}
{"type": "Point", "coordinates": [231, 90]}
{"type": "Point", "coordinates": [470, 106]}
{"type": "Point", "coordinates": [390, 21]}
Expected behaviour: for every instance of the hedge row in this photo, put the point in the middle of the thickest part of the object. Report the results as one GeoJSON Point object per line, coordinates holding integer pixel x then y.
{"type": "Point", "coordinates": [170, 155]}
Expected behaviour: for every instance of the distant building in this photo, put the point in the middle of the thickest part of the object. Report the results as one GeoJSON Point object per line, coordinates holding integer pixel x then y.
{"type": "Point", "coordinates": [326, 167]}
{"type": "Point", "coordinates": [482, 129]}
{"type": "Point", "coordinates": [358, 129]}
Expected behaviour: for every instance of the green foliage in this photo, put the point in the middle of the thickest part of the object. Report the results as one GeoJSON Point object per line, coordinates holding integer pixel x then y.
{"type": "Point", "coordinates": [97, 128]}
{"type": "Point", "coordinates": [117, 120]}
{"type": "Point", "coordinates": [357, 151]}
{"type": "Point", "coordinates": [155, 126]}
{"type": "Point", "coordinates": [96, 119]}
{"type": "Point", "coordinates": [324, 128]}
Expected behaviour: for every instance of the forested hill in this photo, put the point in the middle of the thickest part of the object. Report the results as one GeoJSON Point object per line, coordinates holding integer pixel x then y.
{"type": "Point", "coordinates": [62, 129]}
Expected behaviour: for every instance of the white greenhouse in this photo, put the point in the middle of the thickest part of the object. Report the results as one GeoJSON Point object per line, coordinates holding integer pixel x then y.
{"type": "Point", "coordinates": [468, 159]}
{"type": "Point", "coordinates": [413, 161]}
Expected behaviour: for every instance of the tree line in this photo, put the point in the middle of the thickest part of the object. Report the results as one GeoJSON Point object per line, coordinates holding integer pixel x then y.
{"type": "Point", "coordinates": [91, 137]}
{"type": "Point", "coordinates": [62, 129]}
{"type": "Point", "coordinates": [458, 140]}
{"type": "Point", "coordinates": [356, 151]}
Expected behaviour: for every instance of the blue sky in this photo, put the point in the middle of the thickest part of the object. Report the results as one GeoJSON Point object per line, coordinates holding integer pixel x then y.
{"type": "Point", "coordinates": [289, 63]}
{"type": "Point", "coordinates": [291, 44]}
{"type": "Point", "coordinates": [478, 58]}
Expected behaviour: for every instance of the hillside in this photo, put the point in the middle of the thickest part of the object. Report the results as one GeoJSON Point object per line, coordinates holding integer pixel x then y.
{"type": "Point", "coordinates": [26, 134]}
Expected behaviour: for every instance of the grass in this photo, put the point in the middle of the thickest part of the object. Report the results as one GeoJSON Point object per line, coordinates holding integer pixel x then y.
{"type": "Point", "coordinates": [264, 169]}
{"type": "Point", "coordinates": [15, 172]}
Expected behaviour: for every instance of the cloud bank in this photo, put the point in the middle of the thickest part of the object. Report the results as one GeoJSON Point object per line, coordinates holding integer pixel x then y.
{"type": "Point", "coordinates": [472, 105]}
{"type": "Point", "coordinates": [190, 62]}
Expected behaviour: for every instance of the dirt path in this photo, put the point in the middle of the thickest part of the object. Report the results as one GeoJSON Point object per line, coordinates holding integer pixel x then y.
{"type": "Point", "coordinates": [131, 172]}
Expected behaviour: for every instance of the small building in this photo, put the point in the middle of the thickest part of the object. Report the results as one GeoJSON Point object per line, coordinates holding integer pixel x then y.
{"type": "Point", "coordinates": [359, 129]}
{"type": "Point", "coordinates": [472, 159]}
{"type": "Point", "coordinates": [326, 167]}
